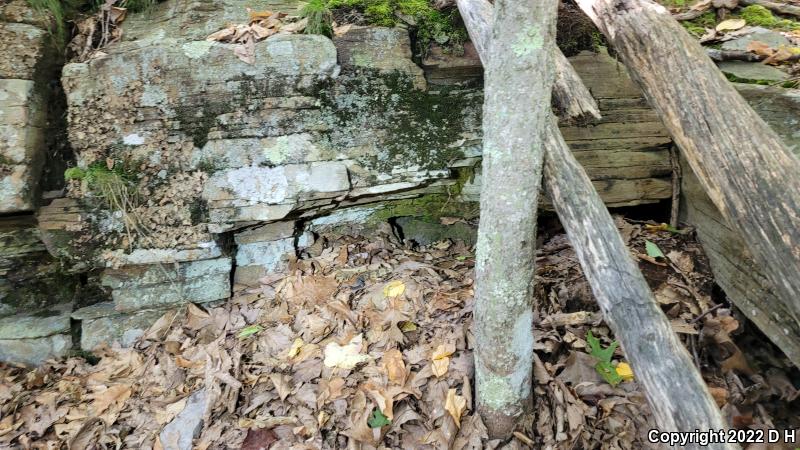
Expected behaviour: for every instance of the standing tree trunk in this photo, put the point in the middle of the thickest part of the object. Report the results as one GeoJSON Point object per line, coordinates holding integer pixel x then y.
{"type": "Point", "coordinates": [571, 99]}
{"type": "Point", "coordinates": [674, 387]}
{"type": "Point", "coordinates": [518, 81]}
{"type": "Point", "coordinates": [745, 168]}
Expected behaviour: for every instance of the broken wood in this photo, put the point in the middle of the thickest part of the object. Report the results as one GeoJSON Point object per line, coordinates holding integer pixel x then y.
{"type": "Point", "coordinates": [745, 168]}
{"type": "Point", "coordinates": [518, 82]}
{"type": "Point", "coordinates": [663, 364]}
{"type": "Point", "coordinates": [570, 97]}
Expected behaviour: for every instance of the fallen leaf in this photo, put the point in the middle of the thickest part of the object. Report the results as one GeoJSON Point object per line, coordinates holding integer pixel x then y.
{"type": "Point", "coordinates": [394, 289]}
{"type": "Point", "coordinates": [440, 358]}
{"type": "Point", "coordinates": [378, 420]}
{"type": "Point", "coordinates": [295, 348]}
{"type": "Point", "coordinates": [730, 25]}
{"type": "Point", "coordinates": [249, 331]}
{"type": "Point", "coordinates": [624, 371]}
{"type": "Point", "coordinates": [652, 250]}
{"type": "Point", "coordinates": [455, 405]}
{"type": "Point", "coordinates": [259, 439]}
{"type": "Point", "coordinates": [345, 356]}
{"type": "Point", "coordinates": [395, 367]}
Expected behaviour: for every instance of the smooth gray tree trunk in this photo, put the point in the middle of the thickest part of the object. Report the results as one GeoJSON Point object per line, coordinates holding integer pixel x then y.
{"type": "Point", "coordinates": [518, 82]}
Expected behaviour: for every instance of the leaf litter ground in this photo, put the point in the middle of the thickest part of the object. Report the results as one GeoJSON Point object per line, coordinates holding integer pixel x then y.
{"type": "Point", "coordinates": [366, 343]}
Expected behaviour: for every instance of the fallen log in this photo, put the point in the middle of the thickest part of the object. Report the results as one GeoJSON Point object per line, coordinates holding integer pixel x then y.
{"type": "Point", "coordinates": [780, 8]}
{"type": "Point", "coordinates": [737, 274]}
{"type": "Point", "coordinates": [518, 81]}
{"type": "Point", "coordinates": [674, 388]}
{"type": "Point", "coordinates": [570, 97]}
{"type": "Point", "coordinates": [745, 168]}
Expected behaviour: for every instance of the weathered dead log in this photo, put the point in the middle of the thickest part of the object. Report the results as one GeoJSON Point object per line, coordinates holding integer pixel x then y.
{"type": "Point", "coordinates": [518, 81]}
{"type": "Point", "coordinates": [742, 164]}
{"type": "Point", "coordinates": [663, 364]}
{"type": "Point", "coordinates": [570, 97]}
{"type": "Point", "coordinates": [734, 270]}
{"type": "Point", "coordinates": [674, 388]}
{"type": "Point", "coordinates": [780, 8]}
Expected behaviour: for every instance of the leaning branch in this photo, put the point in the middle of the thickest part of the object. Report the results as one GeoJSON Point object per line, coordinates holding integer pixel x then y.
{"type": "Point", "coordinates": [570, 96]}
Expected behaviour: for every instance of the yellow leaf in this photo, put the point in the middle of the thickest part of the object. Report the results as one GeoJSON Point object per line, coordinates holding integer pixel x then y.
{"type": "Point", "coordinates": [295, 348]}
{"type": "Point", "coordinates": [730, 25]}
{"type": "Point", "coordinates": [441, 358]}
{"type": "Point", "coordinates": [406, 326]}
{"type": "Point", "coordinates": [624, 371]}
{"type": "Point", "coordinates": [345, 356]}
{"type": "Point", "coordinates": [455, 405]}
{"type": "Point", "coordinates": [394, 288]}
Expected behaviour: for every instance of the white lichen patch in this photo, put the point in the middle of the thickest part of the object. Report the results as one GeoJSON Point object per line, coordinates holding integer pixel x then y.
{"type": "Point", "coordinates": [197, 49]}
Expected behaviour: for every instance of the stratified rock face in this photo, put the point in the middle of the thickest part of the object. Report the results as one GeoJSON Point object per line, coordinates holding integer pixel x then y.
{"type": "Point", "coordinates": [33, 338]}
{"type": "Point", "coordinates": [311, 127]}
{"type": "Point", "coordinates": [25, 68]}
{"type": "Point", "coordinates": [30, 279]}
{"type": "Point", "coordinates": [223, 166]}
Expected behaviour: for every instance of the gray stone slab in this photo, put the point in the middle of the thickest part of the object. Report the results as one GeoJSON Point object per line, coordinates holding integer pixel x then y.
{"type": "Point", "coordinates": [772, 38]}
{"type": "Point", "coordinates": [194, 290]}
{"type": "Point", "coordinates": [34, 351]}
{"type": "Point", "coordinates": [26, 326]}
{"type": "Point", "coordinates": [122, 328]}
{"type": "Point", "coordinates": [752, 71]}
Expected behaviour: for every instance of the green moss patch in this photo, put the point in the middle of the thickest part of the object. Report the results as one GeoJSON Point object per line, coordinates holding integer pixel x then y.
{"type": "Point", "coordinates": [760, 16]}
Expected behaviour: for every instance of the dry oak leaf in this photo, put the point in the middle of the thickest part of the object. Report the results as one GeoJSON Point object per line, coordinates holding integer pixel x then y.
{"type": "Point", "coordinates": [394, 289]}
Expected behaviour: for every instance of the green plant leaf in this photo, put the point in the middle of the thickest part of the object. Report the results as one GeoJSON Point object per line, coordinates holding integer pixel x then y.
{"type": "Point", "coordinates": [378, 419]}
{"type": "Point", "coordinates": [603, 355]}
{"type": "Point", "coordinates": [652, 250]}
{"type": "Point", "coordinates": [608, 372]}
{"type": "Point", "coordinates": [249, 331]}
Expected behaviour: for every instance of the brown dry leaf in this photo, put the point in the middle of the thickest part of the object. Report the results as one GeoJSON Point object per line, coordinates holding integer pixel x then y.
{"type": "Point", "coordinates": [341, 31]}
{"type": "Point", "coordinates": [223, 35]}
{"type": "Point", "coordinates": [282, 384]}
{"type": "Point", "coordinates": [759, 48]}
{"type": "Point", "coordinates": [455, 405]}
{"type": "Point", "coordinates": [440, 358]}
{"type": "Point", "coordinates": [169, 412]}
{"type": "Point", "coordinates": [256, 16]}
{"type": "Point", "coordinates": [781, 55]}
{"type": "Point", "coordinates": [103, 399]}
{"type": "Point", "coordinates": [394, 366]}
{"type": "Point", "coordinates": [259, 439]}
{"type": "Point", "coordinates": [720, 395]}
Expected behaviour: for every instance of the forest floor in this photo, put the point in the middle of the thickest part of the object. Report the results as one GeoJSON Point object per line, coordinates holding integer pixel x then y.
{"type": "Point", "coordinates": [366, 343]}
